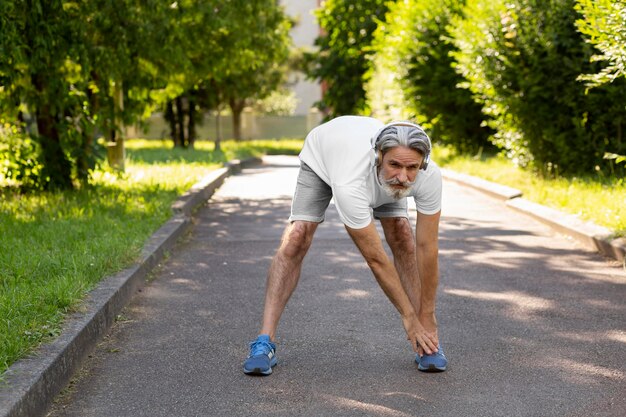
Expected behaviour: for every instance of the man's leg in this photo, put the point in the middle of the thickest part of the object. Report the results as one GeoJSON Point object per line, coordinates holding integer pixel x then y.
{"type": "Point", "coordinates": [400, 238]}
{"type": "Point", "coordinates": [284, 272]}
{"type": "Point", "coordinates": [282, 279]}
{"type": "Point", "coordinates": [309, 204]}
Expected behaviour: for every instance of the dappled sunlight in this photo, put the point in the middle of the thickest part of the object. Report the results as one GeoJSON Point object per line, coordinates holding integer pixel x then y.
{"type": "Point", "coordinates": [618, 336]}
{"type": "Point", "coordinates": [525, 303]}
{"type": "Point", "coordinates": [353, 293]}
{"type": "Point", "coordinates": [612, 276]}
{"type": "Point", "coordinates": [578, 371]}
{"type": "Point", "coordinates": [380, 410]}
{"type": "Point", "coordinates": [404, 394]}
{"type": "Point", "coordinates": [614, 335]}
{"type": "Point", "coordinates": [188, 283]}
{"type": "Point", "coordinates": [500, 259]}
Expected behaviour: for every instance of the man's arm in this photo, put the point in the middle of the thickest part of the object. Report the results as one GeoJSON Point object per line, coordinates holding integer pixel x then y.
{"type": "Point", "coordinates": [427, 252]}
{"type": "Point", "coordinates": [369, 243]}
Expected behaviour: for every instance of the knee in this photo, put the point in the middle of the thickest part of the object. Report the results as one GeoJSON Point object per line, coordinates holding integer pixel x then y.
{"type": "Point", "coordinates": [400, 236]}
{"type": "Point", "coordinates": [297, 240]}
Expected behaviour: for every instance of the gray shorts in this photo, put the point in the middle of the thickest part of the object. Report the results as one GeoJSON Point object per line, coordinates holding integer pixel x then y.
{"type": "Point", "coordinates": [312, 197]}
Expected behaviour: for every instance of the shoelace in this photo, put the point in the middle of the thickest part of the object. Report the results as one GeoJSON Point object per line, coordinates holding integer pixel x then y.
{"type": "Point", "coordinates": [260, 347]}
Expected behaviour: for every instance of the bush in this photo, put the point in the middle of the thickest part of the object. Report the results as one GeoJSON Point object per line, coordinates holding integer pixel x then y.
{"type": "Point", "coordinates": [20, 165]}
{"type": "Point", "coordinates": [415, 44]}
{"type": "Point", "coordinates": [522, 59]}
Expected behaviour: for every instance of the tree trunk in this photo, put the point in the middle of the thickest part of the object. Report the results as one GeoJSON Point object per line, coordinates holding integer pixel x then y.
{"type": "Point", "coordinates": [170, 116]}
{"type": "Point", "coordinates": [180, 119]}
{"type": "Point", "coordinates": [56, 165]}
{"type": "Point", "coordinates": [84, 162]}
{"type": "Point", "coordinates": [218, 130]}
{"type": "Point", "coordinates": [116, 154]}
{"type": "Point", "coordinates": [236, 107]}
{"type": "Point", "coordinates": [191, 123]}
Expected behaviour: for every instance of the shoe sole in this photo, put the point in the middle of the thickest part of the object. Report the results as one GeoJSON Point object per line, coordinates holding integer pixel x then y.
{"type": "Point", "coordinates": [431, 368]}
{"type": "Point", "coordinates": [259, 371]}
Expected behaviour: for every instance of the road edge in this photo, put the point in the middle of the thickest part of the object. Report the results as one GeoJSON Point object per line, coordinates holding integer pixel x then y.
{"type": "Point", "coordinates": [589, 234]}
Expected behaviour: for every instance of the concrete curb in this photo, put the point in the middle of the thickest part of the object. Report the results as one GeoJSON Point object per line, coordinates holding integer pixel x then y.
{"type": "Point", "coordinates": [592, 236]}
{"type": "Point", "coordinates": [31, 384]}
{"type": "Point", "coordinates": [501, 192]}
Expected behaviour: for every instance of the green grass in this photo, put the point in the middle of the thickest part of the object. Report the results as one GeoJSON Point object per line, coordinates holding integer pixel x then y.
{"type": "Point", "coordinates": [56, 246]}
{"type": "Point", "coordinates": [601, 200]}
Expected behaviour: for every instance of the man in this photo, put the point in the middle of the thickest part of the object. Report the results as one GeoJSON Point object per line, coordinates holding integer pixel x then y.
{"type": "Point", "coordinates": [369, 168]}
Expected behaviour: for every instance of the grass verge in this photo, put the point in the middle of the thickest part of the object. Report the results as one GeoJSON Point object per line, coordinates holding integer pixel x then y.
{"type": "Point", "coordinates": [601, 200]}
{"type": "Point", "coordinates": [55, 247]}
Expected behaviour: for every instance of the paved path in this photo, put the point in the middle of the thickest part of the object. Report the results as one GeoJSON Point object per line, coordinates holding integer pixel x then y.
{"type": "Point", "coordinates": [533, 325]}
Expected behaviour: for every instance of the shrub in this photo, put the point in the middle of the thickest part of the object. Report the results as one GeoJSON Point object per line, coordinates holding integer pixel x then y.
{"type": "Point", "coordinates": [414, 43]}
{"type": "Point", "coordinates": [522, 59]}
{"type": "Point", "coordinates": [20, 165]}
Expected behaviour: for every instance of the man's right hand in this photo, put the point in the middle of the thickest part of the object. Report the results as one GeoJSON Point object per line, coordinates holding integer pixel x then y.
{"type": "Point", "coordinates": [419, 336]}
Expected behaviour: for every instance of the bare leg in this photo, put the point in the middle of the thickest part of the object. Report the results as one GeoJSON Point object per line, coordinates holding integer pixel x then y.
{"type": "Point", "coordinates": [284, 272]}
{"type": "Point", "coordinates": [400, 238]}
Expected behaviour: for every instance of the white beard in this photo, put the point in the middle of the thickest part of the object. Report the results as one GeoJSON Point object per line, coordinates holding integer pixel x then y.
{"type": "Point", "coordinates": [396, 194]}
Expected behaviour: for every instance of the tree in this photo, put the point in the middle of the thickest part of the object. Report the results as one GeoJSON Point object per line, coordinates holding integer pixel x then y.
{"type": "Point", "coordinates": [604, 24]}
{"type": "Point", "coordinates": [130, 48]}
{"type": "Point", "coordinates": [37, 68]}
{"type": "Point", "coordinates": [70, 65]}
{"type": "Point", "coordinates": [343, 56]}
{"type": "Point", "coordinates": [245, 47]}
{"type": "Point", "coordinates": [264, 53]}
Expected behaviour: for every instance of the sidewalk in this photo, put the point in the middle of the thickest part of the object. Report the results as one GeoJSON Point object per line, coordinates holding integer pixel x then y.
{"type": "Point", "coordinates": [532, 324]}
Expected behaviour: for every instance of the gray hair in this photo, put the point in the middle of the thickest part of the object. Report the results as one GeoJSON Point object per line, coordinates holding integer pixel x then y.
{"type": "Point", "coordinates": [411, 136]}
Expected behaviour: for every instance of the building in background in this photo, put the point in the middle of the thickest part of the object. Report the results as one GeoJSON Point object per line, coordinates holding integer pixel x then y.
{"type": "Point", "coordinates": [303, 35]}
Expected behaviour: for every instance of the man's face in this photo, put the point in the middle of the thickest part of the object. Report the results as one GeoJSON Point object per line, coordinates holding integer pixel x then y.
{"type": "Point", "coordinates": [398, 171]}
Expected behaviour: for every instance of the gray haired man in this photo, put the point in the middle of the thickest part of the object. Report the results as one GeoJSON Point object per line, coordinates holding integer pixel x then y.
{"type": "Point", "coordinates": [369, 168]}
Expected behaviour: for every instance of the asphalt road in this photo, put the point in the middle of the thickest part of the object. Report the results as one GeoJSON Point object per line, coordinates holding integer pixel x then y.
{"type": "Point", "coordinates": [532, 324]}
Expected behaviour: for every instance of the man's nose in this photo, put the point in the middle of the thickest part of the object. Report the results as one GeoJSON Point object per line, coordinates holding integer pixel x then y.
{"type": "Point", "coordinates": [402, 176]}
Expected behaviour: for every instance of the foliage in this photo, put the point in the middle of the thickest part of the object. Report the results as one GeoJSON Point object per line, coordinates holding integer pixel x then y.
{"type": "Point", "coordinates": [522, 59]}
{"type": "Point", "coordinates": [342, 60]}
{"type": "Point", "coordinates": [413, 51]}
{"type": "Point", "coordinates": [67, 67]}
{"type": "Point", "coordinates": [75, 70]}
{"type": "Point", "coordinates": [281, 102]}
{"type": "Point", "coordinates": [19, 159]}
{"type": "Point", "coordinates": [604, 24]}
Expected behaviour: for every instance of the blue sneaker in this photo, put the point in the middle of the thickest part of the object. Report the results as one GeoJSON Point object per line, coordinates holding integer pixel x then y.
{"type": "Point", "coordinates": [262, 357]}
{"type": "Point", "coordinates": [436, 362]}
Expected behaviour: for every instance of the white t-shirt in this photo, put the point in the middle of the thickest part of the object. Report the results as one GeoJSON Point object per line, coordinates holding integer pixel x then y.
{"type": "Point", "coordinates": [341, 153]}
